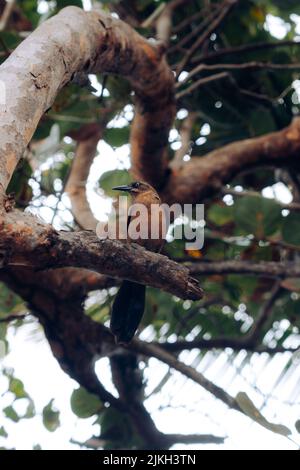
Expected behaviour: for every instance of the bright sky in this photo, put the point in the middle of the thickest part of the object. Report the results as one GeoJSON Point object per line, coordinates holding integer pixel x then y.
{"type": "Point", "coordinates": [34, 364]}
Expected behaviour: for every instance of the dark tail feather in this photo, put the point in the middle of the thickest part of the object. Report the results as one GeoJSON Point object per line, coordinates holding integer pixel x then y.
{"type": "Point", "coordinates": [127, 311]}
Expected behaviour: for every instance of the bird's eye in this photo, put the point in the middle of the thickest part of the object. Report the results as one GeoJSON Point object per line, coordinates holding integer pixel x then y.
{"type": "Point", "coordinates": [135, 185]}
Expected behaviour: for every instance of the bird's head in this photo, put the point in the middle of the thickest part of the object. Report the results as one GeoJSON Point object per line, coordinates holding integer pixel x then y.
{"type": "Point", "coordinates": [135, 188]}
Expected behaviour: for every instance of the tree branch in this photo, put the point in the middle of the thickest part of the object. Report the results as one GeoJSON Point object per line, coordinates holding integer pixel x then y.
{"type": "Point", "coordinates": [76, 341]}
{"type": "Point", "coordinates": [203, 177]}
{"type": "Point", "coordinates": [267, 269]}
{"type": "Point", "coordinates": [244, 49]}
{"type": "Point", "coordinates": [226, 9]}
{"type": "Point", "coordinates": [246, 66]}
{"type": "Point", "coordinates": [25, 241]}
{"type": "Point", "coordinates": [76, 184]}
{"type": "Point", "coordinates": [162, 17]}
{"type": "Point", "coordinates": [195, 439]}
{"type": "Point", "coordinates": [201, 82]}
{"type": "Point", "coordinates": [236, 344]}
{"type": "Point", "coordinates": [153, 350]}
{"type": "Point", "coordinates": [264, 316]}
{"type": "Point", "coordinates": [8, 9]}
{"type": "Point", "coordinates": [106, 44]}
{"type": "Point", "coordinates": [208, 18]}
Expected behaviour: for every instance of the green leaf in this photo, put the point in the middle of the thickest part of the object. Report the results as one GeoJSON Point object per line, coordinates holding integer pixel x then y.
{"type": "Point", "coordinates": [11, 413]}
{"type": "Point", "coordinates": [220, 214]}
{"type": "Point", "coordinates": [51, 417]}
{"type": "Point", "coordinates": [291, 229]}
{"type": "Point", "coordinates": [16, 387]}
{"type": "Point", "coordinates": [85, 404]}
{"type": "Point", "coordinates": [257, 215]}
{"type": "Point", "coordinates": [250, 410]}
{"type": "Point", "coordinates": [110, 179]}
{"type": "Point", "coordinates": [3, 433]}
{"type": "Point", "coordinates": [117, 136]}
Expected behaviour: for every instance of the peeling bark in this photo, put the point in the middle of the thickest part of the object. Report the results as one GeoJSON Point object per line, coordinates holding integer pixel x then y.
{"type": "Point", "coordinates": [47, 60]}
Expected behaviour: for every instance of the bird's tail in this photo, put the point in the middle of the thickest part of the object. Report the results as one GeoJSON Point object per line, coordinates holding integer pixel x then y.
{"type": "Point", "coordinates": [127, 311]}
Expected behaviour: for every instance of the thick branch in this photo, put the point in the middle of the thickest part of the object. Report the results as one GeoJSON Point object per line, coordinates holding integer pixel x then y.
{"type": "Point", "coordinates": [25, 241]}
{"type": "Point", "coordinates": [202, 177]}
{"type": "Point", "coordinates": [105, 45]}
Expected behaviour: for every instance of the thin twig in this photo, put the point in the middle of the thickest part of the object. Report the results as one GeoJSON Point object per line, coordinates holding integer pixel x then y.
{"type": "Point", "coordinates": [244, 49]}
{"type": "Point", "coordinates": [187, 21]}
{"type": "Point", "coordinates": [196, 31]}
{"type": "Point", "coordinates": [246, 66]}
{"type": "Point", "coordinates": [236, 344]}
{"type": "Point", "coordinates": [11, 318]}
{"type": "Point", "coordinates": [162, 355]}
{"type": "Point", "coordinates": [200, 83]}
{"type": "Point", "coordinates": [264, 315]}
{"type": "Point", "coordinates": [8, 9]}
{"type": "Point", "coordinates": [228, 5]}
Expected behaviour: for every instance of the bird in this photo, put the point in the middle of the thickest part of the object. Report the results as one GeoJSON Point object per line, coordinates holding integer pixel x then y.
{"type": "Point", "coordinates": [129, 304]}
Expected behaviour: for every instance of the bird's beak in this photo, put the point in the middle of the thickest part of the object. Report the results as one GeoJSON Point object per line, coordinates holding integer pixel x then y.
{"type": "Point", "coordinates": [122, 188]}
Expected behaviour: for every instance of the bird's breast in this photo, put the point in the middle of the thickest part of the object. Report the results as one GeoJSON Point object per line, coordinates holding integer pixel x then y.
{"type": "Point", "coordinates": [147, 223]}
